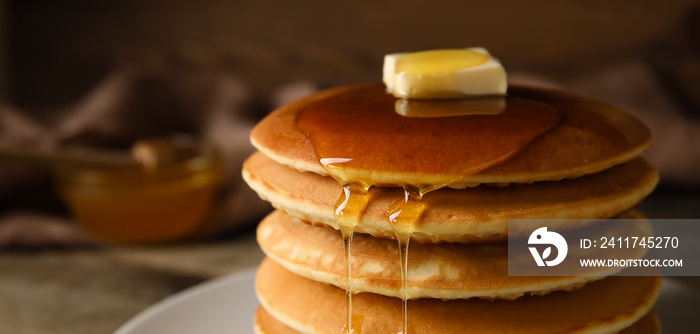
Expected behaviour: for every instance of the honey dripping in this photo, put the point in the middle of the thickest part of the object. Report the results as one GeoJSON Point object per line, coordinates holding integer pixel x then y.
{"type": "Point", "coordinates": [348, 211]}
{"type": "Point", "coordinates": [365, 131]}
{"type": "Point", "coordinates": [404, 217]}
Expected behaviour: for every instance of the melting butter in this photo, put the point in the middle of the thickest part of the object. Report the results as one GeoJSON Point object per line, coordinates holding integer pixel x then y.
{"type": "Point", "coordinates": [451, 73]}
{"type": "Point", "coordinates": [433, 61]}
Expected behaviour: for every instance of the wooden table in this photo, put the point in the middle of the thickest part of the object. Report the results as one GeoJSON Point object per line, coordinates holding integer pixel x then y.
{"type": "Point", "coordinates": [96, 290]}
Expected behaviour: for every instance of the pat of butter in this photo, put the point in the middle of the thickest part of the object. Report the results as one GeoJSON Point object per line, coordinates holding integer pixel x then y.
{"type": "Point", "coordinates": [449, 73]}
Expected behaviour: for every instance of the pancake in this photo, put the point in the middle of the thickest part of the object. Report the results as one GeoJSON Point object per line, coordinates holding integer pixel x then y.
{"type": "Point", "coordinates": [605, 306]}
{"type": "Point", "coordinates": [649, 324]}
{"type": "Point", "coordinates": [548, 135]}
{"type": "Point", "coordinates": [265, 323]}
{"type": "Point", "coordinates": [467, 215]}
{"type": "Point", "coordinates": [444, 271]}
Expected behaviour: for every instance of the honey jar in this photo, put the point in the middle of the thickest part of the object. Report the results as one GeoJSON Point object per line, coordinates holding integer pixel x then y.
{"type": "Point", "coordinates": [141, 205]}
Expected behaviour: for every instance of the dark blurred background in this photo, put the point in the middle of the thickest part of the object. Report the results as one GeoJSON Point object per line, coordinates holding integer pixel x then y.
{"type": "Point", "coordinates": [54, 51]}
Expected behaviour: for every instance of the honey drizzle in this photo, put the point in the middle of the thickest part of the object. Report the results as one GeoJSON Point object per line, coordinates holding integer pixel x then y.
{"type": "Point", "coordinates": [403, 258]}
{"type": "Point", "coordinates": [347, 246]}
{"type": "Point", "coordinates": [404, 217]}
{"type": "Point", "coordinates": [348, 211]}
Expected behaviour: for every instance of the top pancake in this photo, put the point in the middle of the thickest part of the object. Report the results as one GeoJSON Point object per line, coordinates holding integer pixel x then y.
{"type": "Point", "coordinates": [541, 135]}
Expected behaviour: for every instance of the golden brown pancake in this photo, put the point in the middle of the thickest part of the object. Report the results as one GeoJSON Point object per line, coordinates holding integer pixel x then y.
{"type": "Point", "coordinates": [647, 325]}
{"type": "Point", "coordinates": [589, 136]}
{"type": "Point", "coordinates": [605, 306]}
{"type": "Point", "coordinates": [465, 215]}
{"type": "Point", "coordinates": [444, 271]}
{"type": "Point", "coordinates": [265, 323]}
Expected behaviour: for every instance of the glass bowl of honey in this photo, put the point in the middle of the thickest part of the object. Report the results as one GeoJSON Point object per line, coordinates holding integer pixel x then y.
{"type": "Point", "coordinates": [138, 205]}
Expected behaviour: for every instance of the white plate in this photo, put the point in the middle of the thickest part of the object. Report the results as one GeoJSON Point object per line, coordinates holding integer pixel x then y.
{"type": "Point", "coordinates": [224, 305]}
{"type": "Point", "coordinates": [227, 305]}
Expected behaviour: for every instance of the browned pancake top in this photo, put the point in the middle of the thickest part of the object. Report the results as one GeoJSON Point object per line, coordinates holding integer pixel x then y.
{"type": "Point", "coordinates": [541, 135]}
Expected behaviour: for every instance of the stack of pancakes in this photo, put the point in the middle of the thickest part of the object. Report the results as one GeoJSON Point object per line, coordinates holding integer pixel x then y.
{"type": "Point", "coordinates": [344, 159]}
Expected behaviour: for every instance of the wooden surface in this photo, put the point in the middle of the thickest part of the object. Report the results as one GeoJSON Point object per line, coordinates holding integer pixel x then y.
{"type": "Point", "coordinates": [89, 291]}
